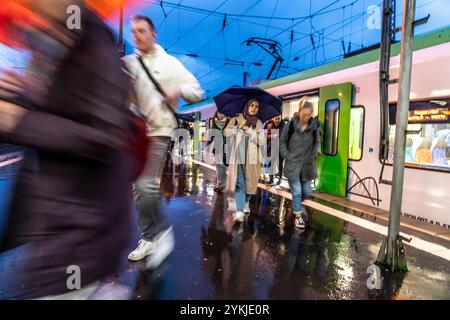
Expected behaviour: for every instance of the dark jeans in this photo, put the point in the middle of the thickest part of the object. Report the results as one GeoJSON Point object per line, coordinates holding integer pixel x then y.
{"type": "Point", "coordinates": [146, 190]}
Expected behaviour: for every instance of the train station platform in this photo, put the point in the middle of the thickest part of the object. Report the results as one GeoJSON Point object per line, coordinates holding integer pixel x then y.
{"type": "Point", "coordinates": [265, 257]}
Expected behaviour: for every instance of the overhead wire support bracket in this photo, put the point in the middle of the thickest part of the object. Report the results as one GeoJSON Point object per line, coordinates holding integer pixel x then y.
{"type": "Point", "coordinates": [162, 7]}
{"type": "Point", "coordinates": [272, 47]}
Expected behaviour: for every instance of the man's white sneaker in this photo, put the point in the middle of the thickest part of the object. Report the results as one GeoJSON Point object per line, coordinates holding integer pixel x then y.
{"type": "Point", "coordinates": [164, 245]}
{"type": "Point", "coordinates": [238, 216]}
{"type": "Point", "coordinates": [144, 249]}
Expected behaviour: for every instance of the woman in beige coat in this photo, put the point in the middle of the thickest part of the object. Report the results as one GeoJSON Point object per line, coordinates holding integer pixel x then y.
{"type": "Point", "coordinates": [246, 136]}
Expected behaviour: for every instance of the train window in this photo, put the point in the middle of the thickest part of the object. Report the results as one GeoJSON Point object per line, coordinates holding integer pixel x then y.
{"type": "Point", "coordinates": [428, 138]}
{"type": "Point", "coordinates": [356, 133]}
{"type": "Point", "coordinates": [330, 141]}
{"type": "Point", "coordinates": [290, 106]}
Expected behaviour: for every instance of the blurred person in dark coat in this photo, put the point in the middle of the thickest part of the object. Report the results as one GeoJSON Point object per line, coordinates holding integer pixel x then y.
{"type": "Point", "coordinates": [274, 130]}
{"type": "Point", "coordinates": [71, 205]}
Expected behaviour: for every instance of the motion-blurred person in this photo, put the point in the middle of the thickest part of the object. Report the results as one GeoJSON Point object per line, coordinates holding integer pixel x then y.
{"type": "Point", "coordinates": [423, 152]}
{"type": "Point", "coordinates": [245, 133]}
{"type": "Point", "coordinates": [438, 152]}
{"type": "Point", "coordinates": [159, 81]}
{"type": "Point", "coordinates": [274, 130]}
{"type": "Point", "coordinates": [299, 146]}
{"type": "Point", "coordinates": [70, 214]}
{"type": "Point", "coordinates": [216, 126]}
{"type": "Point", "coordinates": [409, 157]}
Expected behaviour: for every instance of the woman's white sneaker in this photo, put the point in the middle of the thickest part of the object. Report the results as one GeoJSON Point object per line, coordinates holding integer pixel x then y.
{"type": "Point", "coordinates": [247, 208]}
{"type": "Point", "coordinates": [238, 216]}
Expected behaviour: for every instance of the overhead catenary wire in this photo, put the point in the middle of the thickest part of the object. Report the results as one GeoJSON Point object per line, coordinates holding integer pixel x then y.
{"type": "Point", "coordinates": [320, 10]}
{"type": "Point", "coordinates": [324, 36]}
{"type": "Point", "coordinates": [195, 26]}
{"type": "Point", "coordinates": [166, 15]}
{"type": "Point", "coordinates": [270, 19]}
{"type": "Point", "coordinates": [227, 26]}
{"type": "Point", "coordinates": [221, 14]}
{"type": "Point", "coordinates": [331, 33]}
{"type": "Point", "coordinates": [222, 66]}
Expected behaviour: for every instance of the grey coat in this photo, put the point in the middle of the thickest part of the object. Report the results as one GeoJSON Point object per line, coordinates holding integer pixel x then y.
{"type": "Point", "coordinates": [300, 156]}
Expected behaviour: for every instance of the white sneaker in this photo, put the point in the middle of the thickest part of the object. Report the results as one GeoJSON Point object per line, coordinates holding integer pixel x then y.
{"type": "Point", "coordinates": [164, 246]}
{"type": "Point", "coordinates": [247, 208]}
{"type": "Point", "coordinates": [144, 249]}
{"type": "Point", "coordinates": [238, 216]}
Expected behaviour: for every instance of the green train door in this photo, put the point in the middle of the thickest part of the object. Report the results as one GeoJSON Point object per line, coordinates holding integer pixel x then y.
{"type": "Point", "coordinates": [334, 117]}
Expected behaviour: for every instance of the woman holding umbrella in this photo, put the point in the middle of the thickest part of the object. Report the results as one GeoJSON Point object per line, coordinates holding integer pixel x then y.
{"type": "Point", "coordinates": [247, 137]}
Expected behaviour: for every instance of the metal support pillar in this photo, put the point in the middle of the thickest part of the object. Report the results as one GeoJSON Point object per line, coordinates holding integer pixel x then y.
{"type": "Point", "coordinates": [392, 253]}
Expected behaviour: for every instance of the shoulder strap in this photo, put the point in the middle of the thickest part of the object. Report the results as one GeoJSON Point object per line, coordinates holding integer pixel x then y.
{"type": "Point", "coordinates": [157, 86]}
{"type": "Point", "coordinates": [316, 128]}
{"type": "Point", "coordinates": [290, 132]}
{"type": "Point", "coordinates": [150, 76]}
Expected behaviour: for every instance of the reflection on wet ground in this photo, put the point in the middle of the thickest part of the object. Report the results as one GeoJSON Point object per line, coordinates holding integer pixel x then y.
{"type": "Point", "coordinates": [265, 258]}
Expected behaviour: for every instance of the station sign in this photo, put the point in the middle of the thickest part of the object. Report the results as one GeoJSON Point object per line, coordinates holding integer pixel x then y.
{"type": "Point", "coordinates": [428, 115]}
{"type": "Point", "coordinates": [423, 112]}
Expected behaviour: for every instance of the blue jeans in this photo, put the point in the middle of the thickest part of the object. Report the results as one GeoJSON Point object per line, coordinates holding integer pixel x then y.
{"type": "Point", "coordinates": [300, 191]}
{"type": "Point", "coordinates": [241, 196]}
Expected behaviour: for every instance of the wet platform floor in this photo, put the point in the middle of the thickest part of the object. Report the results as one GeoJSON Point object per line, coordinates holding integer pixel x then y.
{"type": "Point", "coordinates": [265, 257]}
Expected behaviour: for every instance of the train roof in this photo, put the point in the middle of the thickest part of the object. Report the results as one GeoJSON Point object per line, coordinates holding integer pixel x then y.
{"type": "Point", "coordinates": [420, 42]}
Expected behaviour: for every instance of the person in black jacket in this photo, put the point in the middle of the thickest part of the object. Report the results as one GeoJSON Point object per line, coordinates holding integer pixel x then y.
{"type": "Point", "coordinates": [274, 128]}
{"type": "Point", "coordinates": [216, 126]}
{"type": "Point", "coordinates": [71, 204]}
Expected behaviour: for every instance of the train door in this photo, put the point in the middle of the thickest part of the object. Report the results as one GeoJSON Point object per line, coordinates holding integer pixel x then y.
{"type": "Point", "coordinates": [334, 117]}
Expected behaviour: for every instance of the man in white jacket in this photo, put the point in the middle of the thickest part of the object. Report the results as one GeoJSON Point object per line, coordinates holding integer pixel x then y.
{"type": "Point", "coordinates": [157, 240]}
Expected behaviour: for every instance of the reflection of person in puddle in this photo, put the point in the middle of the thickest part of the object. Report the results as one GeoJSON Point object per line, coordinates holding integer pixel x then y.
{"type": "Point", "coordinates": [216, 242]}
{"type": "Point", "coordinates": [242, 260]}
{"type": "Point", "coordinates": [182, 179]}
{"type": "Point", "coordinates": [167, 181]}
{"type": "Point", "coordinates": [305, 264]}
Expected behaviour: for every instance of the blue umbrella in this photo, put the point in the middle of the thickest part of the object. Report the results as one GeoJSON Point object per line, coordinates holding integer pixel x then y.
{"type": "Point", "coordinates": [233, 101]}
